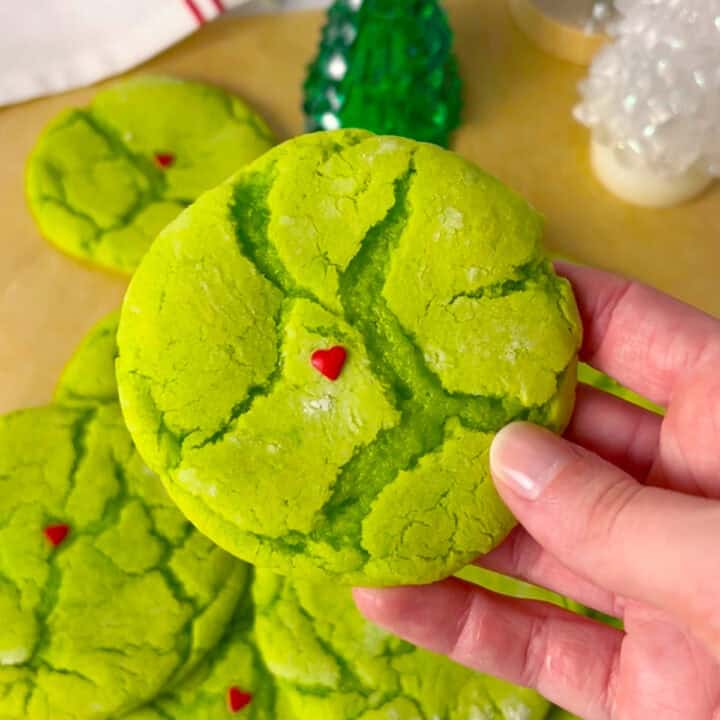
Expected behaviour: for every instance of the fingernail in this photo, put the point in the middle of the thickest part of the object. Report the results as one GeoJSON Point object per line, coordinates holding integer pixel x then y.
{"type": "Point", "coordinates": [523, 457]}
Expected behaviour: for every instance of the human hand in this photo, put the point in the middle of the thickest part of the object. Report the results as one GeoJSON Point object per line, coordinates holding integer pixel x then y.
{"type": "Point", "coordinates": [622, 515]}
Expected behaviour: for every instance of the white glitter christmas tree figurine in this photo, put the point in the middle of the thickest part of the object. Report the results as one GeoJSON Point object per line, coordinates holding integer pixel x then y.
{"type": "Point", "coordinates": [652, 100]}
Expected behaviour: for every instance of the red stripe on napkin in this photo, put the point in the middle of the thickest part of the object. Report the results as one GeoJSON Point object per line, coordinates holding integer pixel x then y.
{"type": "Point", "coordinates": [195, 10]}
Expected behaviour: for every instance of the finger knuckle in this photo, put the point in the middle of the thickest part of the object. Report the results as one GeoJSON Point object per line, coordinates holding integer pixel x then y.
{"type": "Point", "coordinates": [608, 699]}
{"type": "Point", "coordinates": [524, 555]}
{"type": "Point", "coordinates": [535, 653]}
{"type": "Point", "coordinates": [608, 508]}
{"type": "Point", "coordinates": [607, 308]}
{"type": "Point", "coordinates": [576, 467]}
{"type": "Point", "coordinates": [468, 628]}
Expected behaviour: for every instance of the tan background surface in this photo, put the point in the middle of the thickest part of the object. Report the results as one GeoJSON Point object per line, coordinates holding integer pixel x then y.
{"type": "Point", "coordinates": [517, 125]}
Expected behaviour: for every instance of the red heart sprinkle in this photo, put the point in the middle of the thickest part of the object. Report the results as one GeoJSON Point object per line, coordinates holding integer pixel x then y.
{"type": "Point", "coordinates": [237, 699]}
{"type": "Point", "coordinates": [57, 533]}
{"type": "Point", "coordinates": [164, 160]}
{"type": "Point", "coordinates": [330, 362]}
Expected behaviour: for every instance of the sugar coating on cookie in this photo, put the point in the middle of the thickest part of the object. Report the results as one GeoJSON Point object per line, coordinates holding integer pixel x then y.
{"type": "Point", "coordinates": [102, 181]}
{"type": "Point", "coordinates": [232, 681]}
{"type": "Point", "coordinates": [332, 663]}
{"type": "Point", "coordinates": [97, 619]}
{"type": "Point", "coordinates": [428, 273]}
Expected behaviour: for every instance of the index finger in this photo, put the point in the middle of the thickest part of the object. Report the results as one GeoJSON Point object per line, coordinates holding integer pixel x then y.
{"type": "Point", "coordinates": [643, 338]}
{"type": "Point", "coordinates": [569, 659]}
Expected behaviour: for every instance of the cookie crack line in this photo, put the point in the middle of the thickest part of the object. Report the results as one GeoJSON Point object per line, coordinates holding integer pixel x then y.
{"type": "Point", "coordinates": [51, 590]}
{"type": "Point", "coordinates": [155, 179]}
{"type": "Point", "coordinates": [533, 271]}
{"type": "Point", "coordinates": [154, 192]}
{"type": "Point", "coordinates": [254, 393]}
{"type": "Point", "coordinates": [79, 432]}
{"type": "Point", "coordinates": [250, 119]}
{"type": "Point", "coordinates": [374, 698]}
{"type": "Point", "coordinates": [348, 679]}
{"type": "Point", "coordinates": [116, 143]}
{"type": "Point", "coordinates": [81, 428]}
{"type": "Point", "coordinates": [184, 641]}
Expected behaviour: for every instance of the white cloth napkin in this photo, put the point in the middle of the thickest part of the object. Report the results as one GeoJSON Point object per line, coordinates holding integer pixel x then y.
{"type": "Point", "coordinates": [47, 46]}
{"type": "Point", "coordinates": [260, 6]}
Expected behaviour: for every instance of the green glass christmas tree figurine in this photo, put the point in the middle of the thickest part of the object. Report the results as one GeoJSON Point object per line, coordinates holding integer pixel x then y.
{"type": "Point", "coordinates": [385, 66]}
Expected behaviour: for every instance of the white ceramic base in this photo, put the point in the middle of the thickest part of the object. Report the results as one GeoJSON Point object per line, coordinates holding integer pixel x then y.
{"type": "Point", "coordinates": [559, 27]}
{"type": "Point", "coordinates": [642, 187]}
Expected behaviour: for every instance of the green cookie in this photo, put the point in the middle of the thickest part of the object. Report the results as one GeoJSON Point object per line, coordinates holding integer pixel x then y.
{"type": "Point", "coordinates": [231, 681]}
{"type": "Point", "coordinates": [606, 619]}
{"type": "Point", "coordinates": [234, 664]}
{"type": "Point", "coordinates": [516, 588]}
{"type": "Point", "coordinates": [102, 181]}
{"type": "Point", "coordinates": [335, 665]}
{"type": "Point", "coordinates": [89, 376]}
{"type": "Point", "coordinates": [107, 594]}
{"type": "Point", "coordinates": [429, 274]}
{"type": "Point", "coordinates": [596, 379]}
{"type": "Point", "coordinates": [560, 714]}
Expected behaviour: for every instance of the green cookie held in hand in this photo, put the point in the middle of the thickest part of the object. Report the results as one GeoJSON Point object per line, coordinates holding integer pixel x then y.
{"type": "Point", "coordinates": [107, 594]}
{"type": "Point", "coordinates": [102, 181]}
{"type": "Point", "coordinates": [333, 664]}
{"type": "Point", "coordinates": [316, 355]}
{"type": "Point", "coordinates": [231, 681]}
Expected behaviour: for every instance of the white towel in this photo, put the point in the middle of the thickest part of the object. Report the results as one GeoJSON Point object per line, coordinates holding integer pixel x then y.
{"type": "Point", "coordinates": [47, 46]}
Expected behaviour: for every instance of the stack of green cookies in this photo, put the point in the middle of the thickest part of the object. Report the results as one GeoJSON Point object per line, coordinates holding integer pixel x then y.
{"type": "Point", "coordinates": [113, 605]}
{"type": "Point", "coordinates": [312, 362]}
{"type": "Point", "coordinates": [114, 602]}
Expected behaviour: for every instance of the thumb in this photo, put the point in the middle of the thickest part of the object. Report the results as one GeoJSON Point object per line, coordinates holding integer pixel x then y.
{"type": "Point", "coordinates": [645, 543]}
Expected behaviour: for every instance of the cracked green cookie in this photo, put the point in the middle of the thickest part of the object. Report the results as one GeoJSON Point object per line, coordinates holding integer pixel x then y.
{"type": "Point", "coordinates": [107, 593]}
{"type": "Point", "coordinates": [335, 665]}
{"type": "Point", "coordinates": [505, 585]}
{"type": "Point", "coordinates": [102, 181]}
{"type": "Point", "coordinates": [89, 376]}
{"type": "Point", "coordinates": [560, 714]}
{"type": "Point", "coordinates": [599, 380]}
{"type": "Point", "coordinates": [316, 355]}
{"type": "Point", "coordinates": [231, 681]}
{"type": "Point", "coordinates": [231, 676]}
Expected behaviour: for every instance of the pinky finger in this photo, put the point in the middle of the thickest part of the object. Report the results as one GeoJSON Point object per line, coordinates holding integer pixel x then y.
{"type": "Point", "coordinates": [569, 659]}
